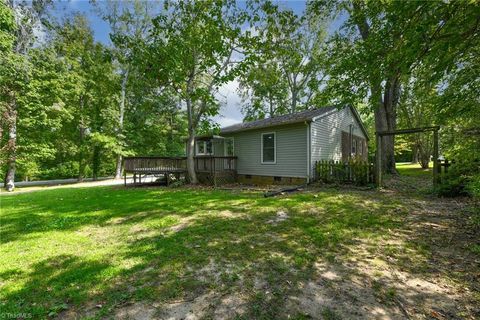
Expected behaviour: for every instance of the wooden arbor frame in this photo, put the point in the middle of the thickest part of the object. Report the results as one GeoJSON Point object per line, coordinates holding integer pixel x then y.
{"type": "Point", "coordinates": [378, 155]}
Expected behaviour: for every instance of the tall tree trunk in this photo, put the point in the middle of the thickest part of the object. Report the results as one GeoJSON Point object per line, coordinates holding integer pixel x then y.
{"type": "Point", "coordinates": [191, 144]}
{"type": "Point", "coordinates": [118, 169]}
{"type": "Point", "coordinates": [385, 111]}
{"type": "Point", "coordinates": [96, 162]}
{"type": "Point", "coordinates": [81, 160]}
{"type": "Point", "coordinates": [386, 120]}
{"type": "Point", "coordinates": [391, 97]}
{"type": "Point", "coordinates": [170, 141]}
{"type": "Point", "coordinates": [190, 159]}
{"type": "Point", "coordinates": [294, 99]}
{"type": "Point", "coordinates": [414, 153]}
{"type": "Point", "coordinates": [9, 182]}
{"type": "Point", "coordinates": [271, 105]}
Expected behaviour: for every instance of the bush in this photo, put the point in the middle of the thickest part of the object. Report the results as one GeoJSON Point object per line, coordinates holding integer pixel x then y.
{"type": "Point", "coordinates": [473, 186]}
{"type": "Point", "coordinates": [462, 179]}
{"type": "Point", "coordinates": [177, 184]}
{"type": "Point", "coordinates": [61, 171]}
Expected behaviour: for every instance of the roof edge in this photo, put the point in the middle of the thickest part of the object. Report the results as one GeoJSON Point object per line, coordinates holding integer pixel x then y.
{"type": "Point", "coordinates": [359, 119]}
{"type": "Point", "coordinates": [267, 126]}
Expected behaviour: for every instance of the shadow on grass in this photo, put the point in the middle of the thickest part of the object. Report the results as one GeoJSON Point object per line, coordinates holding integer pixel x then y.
{"type": "Point", "coordinates": [228, 245]}
{"type": "Point", "coordinates": [70, 209]}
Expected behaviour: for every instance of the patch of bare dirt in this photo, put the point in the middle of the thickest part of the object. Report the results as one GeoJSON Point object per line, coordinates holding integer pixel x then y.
{"type": "Point", "coordinates": [136, 311]}
{"type": "Point", "coordinates": [281, 216]}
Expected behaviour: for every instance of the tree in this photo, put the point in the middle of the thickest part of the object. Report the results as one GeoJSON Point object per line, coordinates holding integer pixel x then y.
{"type": "Point", "coordinates": [416, 109]}
{"type": "Point", "coordinates": [40, 111]}
{"type": "Point", "coordinates": [129, 22]}
{"type": "Point", "coordinates": [288, 73]}
{"type": "Point", "coordinates": [264, 92]}
{"type": "Point", "coordinates": [90, 94]}
{"type": "Point", "coordinates": [19, 22]}
{"type": "Point", "coordinates": [191, 49]}
{"type": "Point", "coordinates": [381, 44]}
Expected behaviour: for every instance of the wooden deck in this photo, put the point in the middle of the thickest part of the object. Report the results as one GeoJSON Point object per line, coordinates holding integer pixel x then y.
{"type": "Point", "coordinates": [210, 169]}
{"type": "Point", "coordinates": [215, 170]}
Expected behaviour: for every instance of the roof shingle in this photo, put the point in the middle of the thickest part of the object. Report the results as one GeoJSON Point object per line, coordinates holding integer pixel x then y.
{"type": "Point", "coordinates": [302, 116]}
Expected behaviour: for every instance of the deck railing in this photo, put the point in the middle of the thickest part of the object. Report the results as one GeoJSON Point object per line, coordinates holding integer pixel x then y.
{"type": "Point", "coordinates": [172, 164]}
{"type": "Point", "coordinates": [155, 164]}
{"type": "Point", "coordinates": [215, 163]}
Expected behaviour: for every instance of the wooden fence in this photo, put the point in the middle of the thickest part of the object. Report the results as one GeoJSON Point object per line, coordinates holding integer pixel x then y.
{"type": "Point", "coordinates": [443, 165]}
{"type": "Point", "coordinates": [352, 171]}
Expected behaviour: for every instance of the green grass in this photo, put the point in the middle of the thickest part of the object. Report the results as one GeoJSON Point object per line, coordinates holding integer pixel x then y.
{"type": "Point", "coordinates": [66, 248]}
{"type": "Point", "coordinates": [413, 169]}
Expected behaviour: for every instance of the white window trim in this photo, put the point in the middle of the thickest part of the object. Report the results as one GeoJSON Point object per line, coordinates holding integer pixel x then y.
{"type": "Point", "coordinates": [225, 149]}
{"type": "Point", "coordinates": [197, 143]}
{"type": "Point", "coordinates": [274, 148]}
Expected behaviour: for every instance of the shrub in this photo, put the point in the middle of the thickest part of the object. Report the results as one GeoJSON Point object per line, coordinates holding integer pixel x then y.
{"type": "Point", "coordinates": [462, 179]}
{"type": "Point", "coordinates": [473, 186]}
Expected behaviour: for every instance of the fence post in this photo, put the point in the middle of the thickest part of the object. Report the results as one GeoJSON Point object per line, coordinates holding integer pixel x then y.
{"type": "Point", "coordinates": [435, 157]}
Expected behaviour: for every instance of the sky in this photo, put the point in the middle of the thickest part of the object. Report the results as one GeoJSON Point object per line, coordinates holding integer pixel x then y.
{"type": "Point", "coordinates": [230, 112]}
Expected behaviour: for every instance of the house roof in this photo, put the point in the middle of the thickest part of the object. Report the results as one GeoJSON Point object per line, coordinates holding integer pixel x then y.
{"type": "Point", "coordinates": [297, 117]}
{"type": "Point", "coordinates": [308, 115]}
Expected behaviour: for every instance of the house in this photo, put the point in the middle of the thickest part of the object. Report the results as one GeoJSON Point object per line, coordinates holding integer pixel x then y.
{"type": "Point", "coordinates": [284, 149]}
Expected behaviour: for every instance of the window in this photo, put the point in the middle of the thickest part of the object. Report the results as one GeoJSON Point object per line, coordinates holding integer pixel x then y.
{"type": "Point", "coordinates": [208, 147]}
{"type": "Point", "coordinates": [354, 146]}
{"type": "Point", "coordinates": [200, 147]}
{"type": "Point", "coordinates": [204, 147]}
{"type": "Point", "coordinates": [229, 147]}
{"type": "Point", "coordinates": [268, 148]}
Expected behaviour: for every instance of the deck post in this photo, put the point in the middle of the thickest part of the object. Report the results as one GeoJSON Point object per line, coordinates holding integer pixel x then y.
{"type": "Point", "coordinates": [125, 178]}
{"type": "Point", "coordinates": [134, 178]}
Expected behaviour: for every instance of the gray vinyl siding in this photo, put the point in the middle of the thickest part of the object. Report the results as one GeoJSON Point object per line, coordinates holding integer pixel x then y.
{"type": "Point", "coordinates": [291, 151]}
{"type": "Point", "coordinates": [326, 135]}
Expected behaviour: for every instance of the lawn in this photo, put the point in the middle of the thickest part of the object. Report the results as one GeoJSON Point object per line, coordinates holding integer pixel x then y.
{"type": "Point", "coordinates": [176, 253]}
{"type": "Point", "coordinates": [414, 169]}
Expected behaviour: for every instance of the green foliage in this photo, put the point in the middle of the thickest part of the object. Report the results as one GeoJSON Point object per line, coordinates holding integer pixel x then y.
{"type": "Point", "coordinates": [285, 74]}
{"type": "Point", "coordinates": [67, 97]}
{"type": "Point", "coordinates": [355, 170]}
{"type": "Point", "coordinates": [473, 186]}
{"type": "Point", "coordinates": [7, 28]}
{"type": "Point", "coordinates": [74, 100]}
{"type": "Point", "coordinates": [462, 179]}
{"type": "Point", "coordinates": [202, 37]}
